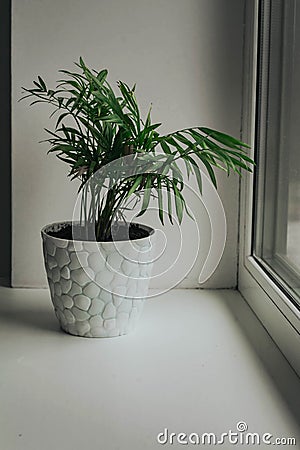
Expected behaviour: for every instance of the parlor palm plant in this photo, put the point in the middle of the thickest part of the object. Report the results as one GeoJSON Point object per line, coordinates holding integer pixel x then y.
{"type": "Point", "coordinates": [95, 128]}
{"type": "Point", "coordinates": [98, 289]}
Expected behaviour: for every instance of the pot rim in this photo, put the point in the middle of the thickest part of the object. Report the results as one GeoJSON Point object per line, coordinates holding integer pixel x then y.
{"type": "Point", "coordinates": [45, 229]}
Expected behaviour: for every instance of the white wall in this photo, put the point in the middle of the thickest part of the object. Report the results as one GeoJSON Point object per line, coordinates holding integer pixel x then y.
{"type": "Point", "coordinates": [186, 57]}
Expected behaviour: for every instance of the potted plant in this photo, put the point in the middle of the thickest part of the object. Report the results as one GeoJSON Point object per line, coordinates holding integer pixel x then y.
{"type": "Point", "coordinates": [98, 267]}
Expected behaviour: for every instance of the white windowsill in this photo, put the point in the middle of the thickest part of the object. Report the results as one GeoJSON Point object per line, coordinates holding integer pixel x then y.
{"type": "Point", "coordinates": [198, 362]}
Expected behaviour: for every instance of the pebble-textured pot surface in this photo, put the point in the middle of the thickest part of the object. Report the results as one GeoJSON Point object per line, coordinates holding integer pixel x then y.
{"type": "Point", "coordinates": [97, 289]}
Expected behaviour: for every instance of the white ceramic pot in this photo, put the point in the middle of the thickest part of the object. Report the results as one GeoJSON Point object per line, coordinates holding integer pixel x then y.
{"type": "Point", "coordinates": [97, 289]}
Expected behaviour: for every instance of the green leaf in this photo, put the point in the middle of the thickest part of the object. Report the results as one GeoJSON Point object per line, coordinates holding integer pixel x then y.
{"type": "Point", "coordinates": [177, 174]}
{"type": "Point", "coordinates": [188, 211]}
{"type": "Point", "coordinates": [225, 139]}
{"type": "Point", "coordinates": [148, 119]}
{"type": "Point", "coordinates": [151, 127]}
{"type": "Point", "coordinates": [183, 139]}
{"type": "Point", "coordinates": [36, 101]}
{"type": "Point", "coordinates": [167, 165]}
{"type": "Point", "coordinates": [60, 101]}
{"type": "Point", "coordinates": [61, 117]}
{"type": "Point", "coordinates": [146, 197]}
{"type": "Point", "coordinates": [51, 132]}
{"type": "Point", "coordinates": [42, 83]}
{"type": "Point", "coordinates": [129, 98]}
{"type": "Point", "coordinates": [113, 118]}
{"type": "Point", "coordinates": [38, 86]}
{"type": "Point", "coordinates": [102, 75]}
{"type": "Point", "coordinates": [135, 185]}
{"type": "Point", "coordinates": [160, 200]}
{"type": "Point", "coordinates": [81, 62]}
{"type": "Point", "coordinates": [178, 203]}
{"type": "Point", "coordinates": [209, 170]}
{"type": "Point", "coordinates": [169, 202]}
{"type": "Point", "coordinates": [198, 175]}
{"type": "Point", "coordinates": [240, 155]}
{"type": "Point", "coordinates": [66, 160]}
{"type": "Point", "coordinates": [165, 147]}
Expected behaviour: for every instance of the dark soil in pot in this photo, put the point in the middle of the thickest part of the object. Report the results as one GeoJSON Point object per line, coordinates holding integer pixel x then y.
{"type": "Point", "coordinates": [120, 232]}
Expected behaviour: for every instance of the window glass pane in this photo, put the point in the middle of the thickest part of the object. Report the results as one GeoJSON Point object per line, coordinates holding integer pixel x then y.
{"type": "Point", "coordinates": [277, 215]}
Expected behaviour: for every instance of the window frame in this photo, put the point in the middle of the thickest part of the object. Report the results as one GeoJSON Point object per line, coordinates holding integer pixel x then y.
{"type": "Point", "coordinates": [274, 308]}
{"type": "Point", "coordinates": [267, 239]}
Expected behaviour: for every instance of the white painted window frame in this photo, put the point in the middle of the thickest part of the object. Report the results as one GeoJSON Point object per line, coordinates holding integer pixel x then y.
{"type": "Point", "coordinates": [277, 313]}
